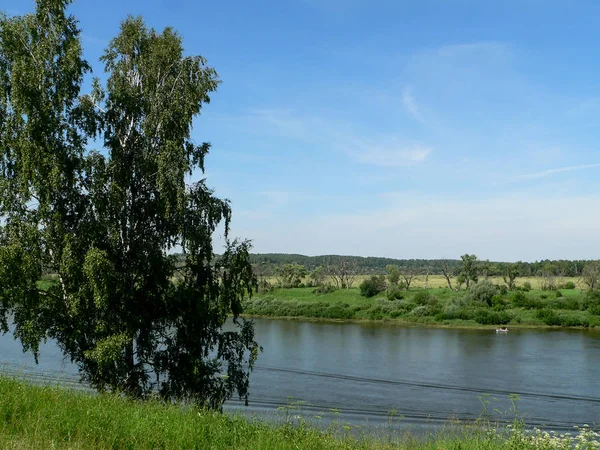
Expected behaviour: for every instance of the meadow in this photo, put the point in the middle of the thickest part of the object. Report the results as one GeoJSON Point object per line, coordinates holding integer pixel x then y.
{"type": "Point", "coordinates": [436, 305]}
{"type": "Point", "coordinates": [33, 417]}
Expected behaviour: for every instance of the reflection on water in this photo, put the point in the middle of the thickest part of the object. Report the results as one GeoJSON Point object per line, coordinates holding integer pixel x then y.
{"type": "Point", "coordinates": [425, 374]}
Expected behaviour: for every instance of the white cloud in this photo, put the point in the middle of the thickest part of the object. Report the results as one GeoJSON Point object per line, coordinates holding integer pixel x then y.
{"type": "Point", "coordinates": [392, 157]}
{"type": "Point", "coordinates": [276, 197]}
{"type": "Point", "coordinates": [546, 173]}
{"type": "Point", "coordinates": [408, 100]}
{"type": "Point", "coordinates": [382, 151]}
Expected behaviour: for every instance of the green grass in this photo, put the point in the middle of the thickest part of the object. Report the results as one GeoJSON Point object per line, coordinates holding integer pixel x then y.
{"type": "Point", "coordinates": [33, 417]}
{"type": "Point", "coordinates": [437, 306]}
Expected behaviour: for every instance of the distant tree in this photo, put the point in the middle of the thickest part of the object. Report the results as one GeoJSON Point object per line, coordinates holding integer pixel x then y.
{"type": "Point", "coordinates": [469, 269]}
{"type": "Point", "coordinates": [447, 272]}
{"type": "Point", "coordinates": [343, 272]}
{"type": "Point", "coordinates": [591, 274]}
{"type": "Point", "coordinates": [408, 274]}
{"type": "Point", "coordinates": [393, 274]}
{"type": "Point", "coordinates": [317, 276]}
{"type": "Point", "coordinates": [372, 286]}
{"type": "Point", "coordinates": [547, 277]}
{"type": "Point", "coordinates": [510, 272]}
{"type": "Point", "coordinates": [485, 268]}
{"type": "Point", "coordinates": [105, 222]}
{"type": "Point", "coordinates": [290, 275]}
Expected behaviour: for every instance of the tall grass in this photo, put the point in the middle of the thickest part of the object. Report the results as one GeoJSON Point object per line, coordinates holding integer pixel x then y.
{"type": "Point", "coordinates": [33, 417]}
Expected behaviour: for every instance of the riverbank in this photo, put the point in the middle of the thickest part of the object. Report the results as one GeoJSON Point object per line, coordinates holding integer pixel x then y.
{"type": "Point", "coordinates": [34, 417]}
{"type": "Point", "coordinates": [438, 307]}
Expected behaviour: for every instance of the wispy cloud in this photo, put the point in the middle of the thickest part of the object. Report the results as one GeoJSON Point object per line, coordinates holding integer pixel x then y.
{"type": "Point", "coordinates": [276, 197]}
{"type": "Point", "coordinates": [378, 150]}
{"type": "Point", "coordinates": [408, 100]}
{"type": "Point", "coordinates": [393, 157]}
{"type": "Point", "coordinates": [484, 47]}
{"type": "Point", "coordinates": [549, 172]}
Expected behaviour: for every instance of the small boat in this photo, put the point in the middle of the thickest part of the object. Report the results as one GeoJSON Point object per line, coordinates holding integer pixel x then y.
{"type": "Point", "coordinates": [501, 330]}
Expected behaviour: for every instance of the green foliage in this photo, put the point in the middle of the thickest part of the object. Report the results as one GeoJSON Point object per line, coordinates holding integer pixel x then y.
{"type": "Point", "coordinates": [291, 275]}
{"type": "Point", "coordinates": [482, 292]}
{"type": "Point", "coordinates": [487, 317]}
{"type": "Point", "coordinates": [498, 303]}
{"type": "Point", "coordinates": [469, 269]}
{"type": "Point", "coordinates": [394, 292]}
{"type": "Point", "coordinates": [105, 221]}
{"type": "Point", "coordinates": [50, 417]}
{"type": "Point", "coordinates": [325, 289]}
{"type": "Point", "coordinates": [372, 286]}
{"type": "Point", "coordinates": [526, 287]}
{"type": "Point", "coordinates": [424, 297]}
{"type": "Point", "coordinates": [522, 300]}
{"type": "Point", "coordinates": [567, 285]}
{"type": "Point", "coordinates": [393, 274]}
{"type": "Point", "coordinates": [317, 277]}
{"type": "Point", "coordinates": [510, 272]}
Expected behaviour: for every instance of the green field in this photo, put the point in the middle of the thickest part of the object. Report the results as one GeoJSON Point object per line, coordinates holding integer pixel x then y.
{"type": "Point", "coordinates": [49, 417]}
{"type": "Point", "coordinates": [436, 306]}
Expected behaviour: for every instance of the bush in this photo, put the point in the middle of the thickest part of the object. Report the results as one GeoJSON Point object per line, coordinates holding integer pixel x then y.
{"type": "Point", "coordinates": [558, 294]}
{"type": "Point", "coordinates": [394, 293]}
{"type": "Point", "coordinates": [424, 298]}
{"type": "Point", "coordinates": [486, 317]}
{"type": "Point", "coordinates": [498, 303]}
{"type": "Point", "coordinates": [567, 285]}
{"type": "Point", "coordinates": [564, 303]}
{"type": "Point", "coordinates": [265, 287]}
{"type": "Point", "coordinates": [526, 287]}
{"type": "Point", "coordinates": [421, 311]}
{"type": "Point", "coordinates": [549, 317]}
{"type": "Point", "coordinates": [502, 288]}
{"type": "Point", "coordinates": [522, 300]}
{"type": "Point", "coordinates": [325, 289]}
{"type": "Point", "coordinates": [372, 286]}
{"type": "Point", "coordinates": [590, 300]}
{"type": "Point", "coordinates": [482, 292]}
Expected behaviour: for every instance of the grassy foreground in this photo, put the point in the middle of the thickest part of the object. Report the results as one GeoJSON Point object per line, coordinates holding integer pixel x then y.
{"type": "Point", "coordinates": [436, 306]}
{"type": "Point", "coordinates": [33, 417]}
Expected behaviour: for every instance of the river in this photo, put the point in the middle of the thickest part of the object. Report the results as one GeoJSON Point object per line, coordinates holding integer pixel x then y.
{"type": "Point", "coordinates": [371, 373]}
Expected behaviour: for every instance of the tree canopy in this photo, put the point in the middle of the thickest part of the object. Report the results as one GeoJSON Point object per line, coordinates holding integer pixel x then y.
{"type": "Point", "coordinates": [105, 222]}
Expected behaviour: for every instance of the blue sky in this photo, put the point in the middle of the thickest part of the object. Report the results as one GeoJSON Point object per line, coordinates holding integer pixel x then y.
{"type": "Point", "coordinates": [391, 128]}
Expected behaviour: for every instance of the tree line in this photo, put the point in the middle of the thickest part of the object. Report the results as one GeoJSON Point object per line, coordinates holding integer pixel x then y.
{"type": "Point", "coordinates": [342, 271]}
{"type": "Point", "coordinates": [267, 263]}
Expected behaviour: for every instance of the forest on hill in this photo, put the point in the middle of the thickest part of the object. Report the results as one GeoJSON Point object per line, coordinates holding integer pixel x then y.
{"type": "Point", "coordinates": [265, 264]}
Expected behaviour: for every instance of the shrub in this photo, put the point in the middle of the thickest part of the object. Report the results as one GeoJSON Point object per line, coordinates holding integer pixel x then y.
{"type": "Point", "coordinates": [482, 292]}
{"type": "Point", "coordinates": [486, 317]}
{"type": "Point", "coordinates": [424, 298]}
{"type": "Point", "coordinates": [502, 288]}
{"type": "Point", "coordinates": [265, 287]}
{"type": "Point", "coordinates": [325, 289]}
{"type": "Point", "coordinates": [595, 310]}
{"type": "Point", "coordinates": [498, 303]}
{"type": "Point", "coordinates": [564, 303]}
{"type": "Point", "coordinates": [590, 300]}
{"type": "Point", "coordinates": [567, 285]}
{"type": "Point", "coordinates": [394, 292]}
{"type": "Point", "coordinates": [451, 312]}
{"type": "Point", "coordinates": [421, 311]}
{"type": "Point", "coordinates": [372, 286]}
{"type": "Point", "coordinates": [526, 287]}
{"type": "Point", "coordinates": [558, 294]}
{"type": "Point", "coordinates": [549, 317]}
{"type": "Point", "coordinates": [522, 300]}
